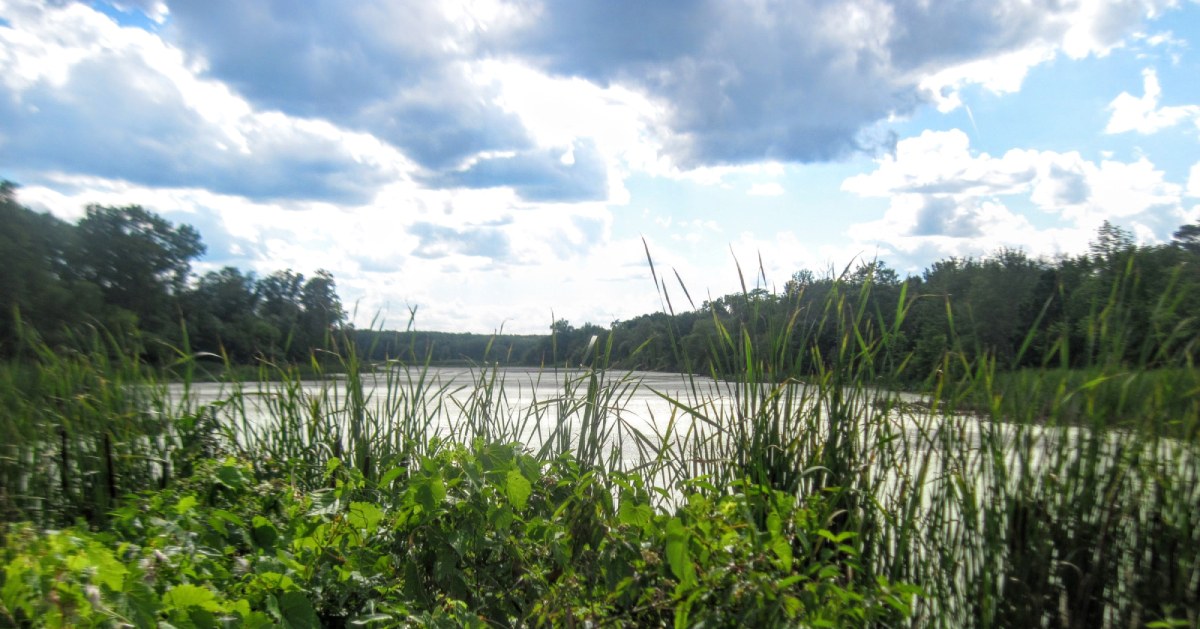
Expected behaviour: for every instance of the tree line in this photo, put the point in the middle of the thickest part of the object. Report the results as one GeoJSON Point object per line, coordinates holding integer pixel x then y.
{"type": "Point", "coordinates": [123, 268]}
{"type": "Point", "coordinates": [1118, 301]}
{"type": "Point", "coordinates": [126, 270]}
{"type": "Point", "coordinates": [1138, 303]}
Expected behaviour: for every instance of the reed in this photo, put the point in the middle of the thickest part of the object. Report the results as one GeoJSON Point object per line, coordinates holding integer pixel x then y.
{"type": "Point", "coordinates": [1048, 497]}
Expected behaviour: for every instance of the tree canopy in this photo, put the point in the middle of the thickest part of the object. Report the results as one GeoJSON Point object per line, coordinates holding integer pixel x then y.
{"type": "Point", "coordinates": [127, 269]}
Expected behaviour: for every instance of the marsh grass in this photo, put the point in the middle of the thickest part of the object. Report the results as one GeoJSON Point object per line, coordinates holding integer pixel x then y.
{"type": "Point", "coordinates": [1051, 497]}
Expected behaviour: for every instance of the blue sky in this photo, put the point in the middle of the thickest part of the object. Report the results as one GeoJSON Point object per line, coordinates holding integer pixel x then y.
{"type": "Point", "coordinates": [492, 160]}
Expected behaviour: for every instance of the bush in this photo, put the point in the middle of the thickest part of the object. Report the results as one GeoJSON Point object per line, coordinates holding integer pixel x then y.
{"type": "Point", "coordinates": [470, 536]}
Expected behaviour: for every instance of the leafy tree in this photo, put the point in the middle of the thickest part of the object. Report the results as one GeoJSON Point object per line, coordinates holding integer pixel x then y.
{"type": "Point", "coordinates": [35, 278]}
{"type": "Point", "coordinates": [322, 309]}
{"type": "Point", "coordinates": [1187, 237]}
{"type": "Point", "coordinates": [137, 258]}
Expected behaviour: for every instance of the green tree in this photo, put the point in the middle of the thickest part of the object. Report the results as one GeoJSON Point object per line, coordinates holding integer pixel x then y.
{"type": "Point", "coordinates": [139, 260]}
{"type": "Point", "coordinates": [35, 277]}
{"type": "Point", "coordinates": [1187, 237]}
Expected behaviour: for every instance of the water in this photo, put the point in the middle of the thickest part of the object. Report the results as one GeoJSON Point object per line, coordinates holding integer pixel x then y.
{"type": "Point", "coordinates": [524, 403]}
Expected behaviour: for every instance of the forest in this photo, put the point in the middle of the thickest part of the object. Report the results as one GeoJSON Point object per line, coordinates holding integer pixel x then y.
{"type": "Point", "coordinates": [127, 269]}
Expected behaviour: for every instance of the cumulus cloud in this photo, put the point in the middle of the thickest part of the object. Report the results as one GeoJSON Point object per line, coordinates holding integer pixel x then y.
{"type": "Point", "coordinates": [740, 80]}
{"type": "Point", "coordinates": [473, 91]}
{"type": "Point", "coordinates": [576, 174]}
{"type": "Point", "coordinates": [466, 264]}
{"type": "Point", "coordinates": [1130, 113]}
{"type": "Point", "coordinates": [799, 81]}
{"type": "Point", "coordinates": [439, 241]}
{"type": "Point", "coordinates": [78, 94]}
{"type": "Point", "coordinates": [944, 200]}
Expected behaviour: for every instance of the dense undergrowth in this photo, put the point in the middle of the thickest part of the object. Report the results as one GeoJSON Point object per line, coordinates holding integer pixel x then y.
{"type": "Point", "coordinates": [467, 537]}
{"type": "Point", "coordinates": [1061, 496]}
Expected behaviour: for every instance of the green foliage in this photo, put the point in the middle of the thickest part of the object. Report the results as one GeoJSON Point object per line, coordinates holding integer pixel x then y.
{"type": "Point", "coordinates": [126, 269]}
{"type": "Point", "coordinates": [1049, 477]}
{"type": "Point", "coordinates": [457, 539]}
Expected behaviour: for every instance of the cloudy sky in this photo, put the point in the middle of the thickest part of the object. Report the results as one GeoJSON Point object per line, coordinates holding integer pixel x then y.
{"type": "Point", "coordinates": [491, 160]}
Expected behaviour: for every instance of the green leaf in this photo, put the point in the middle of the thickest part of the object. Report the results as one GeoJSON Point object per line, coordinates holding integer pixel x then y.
{"type": "Point", "coordinates": [203, 619]}
{"type": "Point", "coordinates": [678, 556]}
{"type": "Point", "coordinates": [635, 515]}
{"type": "Point", "coordinates": [186, 596]}
{"type": "Point", "coordinates": [430, 491]}
{"type": "Point", "coordinates": [143, 605]}
{"type": "Point", "coordinates": [391, 475]}
{"type": "Point", "coordinates": [185, 504]}
{"type": "Point", "coordinates": [364, 515]}
{"type": "Point", "coordinates": [297, 612]}
{"type": "Point", "coordinates": [109, 571]}
{"type": "Point", "coordinates": [792, 606]}
{"type": "Point", "coordinates": [264, 533]}
{"type": "Point", "coordinates": [502, 518]}
{"type": "Point", "coordinates": [783, 550]}
{"type": "Point", "coordinates": [774, 524]}
{"type": "Point", "coordinates": [228, 517]}
{"type": "Point", "coordinates": [519, 489]}
{"type": "Point", "coordinates": [275, 581]}
{"type": "Point", "coordinates": [231, 477]}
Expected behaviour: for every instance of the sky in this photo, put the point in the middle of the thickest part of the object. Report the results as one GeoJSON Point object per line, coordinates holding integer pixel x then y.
{"type": "Point", "coordinates": [505, 162]}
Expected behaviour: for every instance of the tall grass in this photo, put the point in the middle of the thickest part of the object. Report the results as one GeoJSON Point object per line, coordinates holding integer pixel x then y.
{"type": "Point", "coordinates": [1041, 498]}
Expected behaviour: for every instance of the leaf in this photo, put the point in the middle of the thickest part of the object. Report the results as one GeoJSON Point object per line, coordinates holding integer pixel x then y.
{"type": "Point", "coordinates": [518, 489]}
{"type": "Point", "coordinates": [774, 524]}
{"type": "Point", "coordinates": [391, 475]}
{"type": "Point", "coordinates": [297, 612]}
{"type": "Point", "coordinates": [185, 504]}
{"type": "Point", "coordinates": [203, 619]}
{"type": "Point", "coordinates": [364, 515]}
{"type": "Point", "coordinates": [783, 550]}
{"type": "Point", "coordinates": [430, 491]}
{"type": "Point", "coordinates": [502, 518]}
{"type": "Point", "coordinates": [143, 605]}
{"type": "Point", "coordinates": [231, 477]}
{"type": "Point", "coordinates": [635, 515]}
{"type": "Point", "coordinates": [186, 596]}
{"type": "Point", "coordinates": [264, 533]}
{"type": "Point", "coordinates": [792, 606]}
{"type": "Point", "coordinates": [109, 571]}
{"type": "Point", "coordinates": [837, 539]}
{"type": "Point", "coordinates": [255, 620]}
{"type": "Point", "coordinates": [677, 552]}
{"type": "Point", "coordinates": [228, 517]}
{"type": "Point", "coordinates": [275, 581]}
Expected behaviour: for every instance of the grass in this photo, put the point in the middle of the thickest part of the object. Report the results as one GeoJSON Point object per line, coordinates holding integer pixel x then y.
{"type": "Point", "coordinates": [1046, 497]}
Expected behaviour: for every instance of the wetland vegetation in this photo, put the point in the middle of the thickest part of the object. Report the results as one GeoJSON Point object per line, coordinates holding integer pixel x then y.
{"type": "Point", "coordinates": [1048, 476]}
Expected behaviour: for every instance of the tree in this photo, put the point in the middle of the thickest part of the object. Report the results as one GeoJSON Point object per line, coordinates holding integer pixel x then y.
{"type": "Point", "coordinates": [322, 310]}
{"type": "Point", "coordinates": [1187, 237]}
{"type": "Point", "coordinates": [1111, 241]}
{"type": "Point", "coordinates": [137, 258]}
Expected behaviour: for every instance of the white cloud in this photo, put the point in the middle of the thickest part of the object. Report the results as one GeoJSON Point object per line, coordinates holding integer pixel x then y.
{"type": "Point", "coordinates": [1143, 115]}
{"type": "Point", "coordinates": [1077, 29]}
{"type": "Point", "coordinates": [470, 269]}
{"type": "Point", "coordinates": [80, 94]}
{"type": "Point", "coordinates": [1193, 185]}
{"type": "Point", "coordinates": [946, 201]}
{"type": "Point", "coordinates": [766, 189]}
